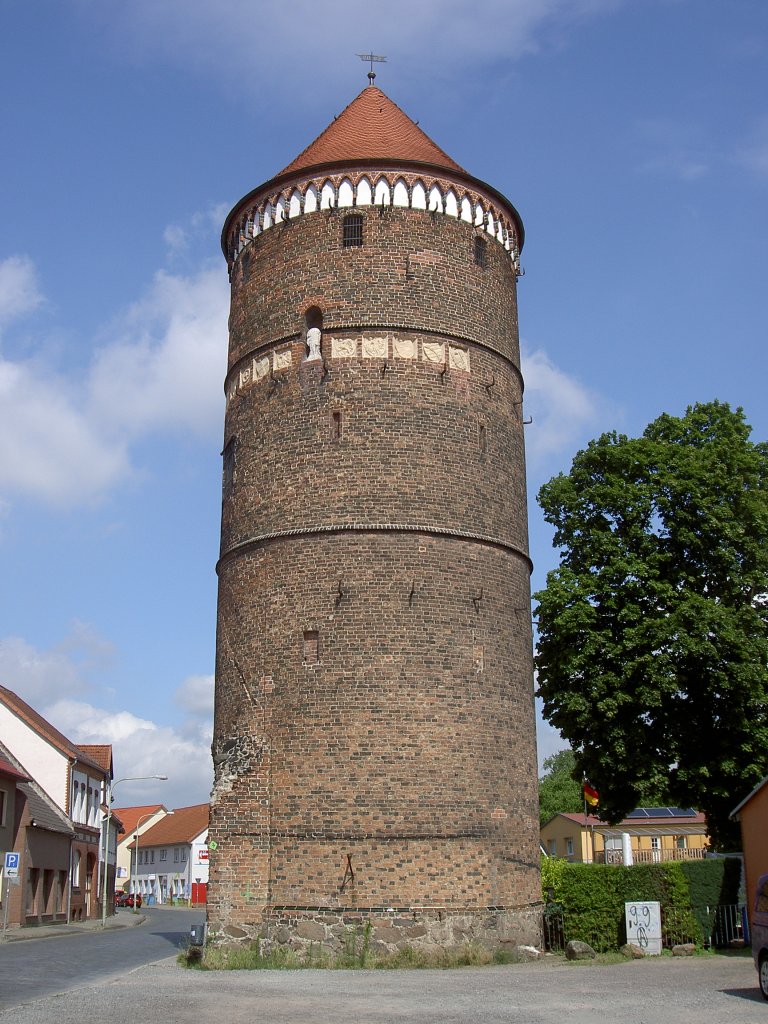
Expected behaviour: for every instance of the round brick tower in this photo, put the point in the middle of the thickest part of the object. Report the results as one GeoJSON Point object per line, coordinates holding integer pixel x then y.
{"type": "Point", "coordinates": [374, 741]}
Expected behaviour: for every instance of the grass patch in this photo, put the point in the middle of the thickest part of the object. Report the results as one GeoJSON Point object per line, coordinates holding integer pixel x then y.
{"type": "Point", "coordinates": [356, 955]}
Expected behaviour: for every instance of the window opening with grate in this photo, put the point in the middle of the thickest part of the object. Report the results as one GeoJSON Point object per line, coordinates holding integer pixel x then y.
{"type": "Point", "coordinates": [352, 230]}
{"type": "Point", "coordinates": [481, 251]}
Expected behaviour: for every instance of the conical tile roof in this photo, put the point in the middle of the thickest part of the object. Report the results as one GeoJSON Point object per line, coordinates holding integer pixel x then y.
{"type": "Point", "coordinates": [372, 127]}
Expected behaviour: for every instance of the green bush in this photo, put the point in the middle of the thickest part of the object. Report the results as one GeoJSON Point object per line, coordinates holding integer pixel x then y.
{"type": "Point", "coordinates": [711, 883]}
{"type": "Point", "coordinates": [593, 897]}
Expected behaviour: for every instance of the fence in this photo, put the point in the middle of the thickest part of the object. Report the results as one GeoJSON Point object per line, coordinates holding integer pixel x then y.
{"type": "Point", "coordinates": [715, 927]}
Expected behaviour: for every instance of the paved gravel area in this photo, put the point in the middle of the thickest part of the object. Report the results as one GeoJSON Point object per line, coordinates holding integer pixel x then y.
{"type": "Point", "coordinates": [700, 990]}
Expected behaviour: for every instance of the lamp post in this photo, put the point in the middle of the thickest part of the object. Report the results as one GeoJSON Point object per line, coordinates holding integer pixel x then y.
{"type": "Point", "coordinates": [136, 855]}
{"type": "Point", "coordinates": [131, 778]}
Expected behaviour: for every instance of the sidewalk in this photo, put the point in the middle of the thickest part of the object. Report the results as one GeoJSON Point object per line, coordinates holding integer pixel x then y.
{"type": "Point", "coordinates": [122, 919]}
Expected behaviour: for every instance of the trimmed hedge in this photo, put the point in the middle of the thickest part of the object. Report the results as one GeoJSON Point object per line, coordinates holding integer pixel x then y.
{"type": "Point", "coordinates": [593, 895]}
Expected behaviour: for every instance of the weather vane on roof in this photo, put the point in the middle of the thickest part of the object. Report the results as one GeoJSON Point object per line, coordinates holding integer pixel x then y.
{"type": "Point", "coordinates": [373, 58]}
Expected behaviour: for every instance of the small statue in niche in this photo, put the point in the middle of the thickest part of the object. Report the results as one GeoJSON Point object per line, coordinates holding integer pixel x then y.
{"type": "Point", "coordinates": [313, 343]}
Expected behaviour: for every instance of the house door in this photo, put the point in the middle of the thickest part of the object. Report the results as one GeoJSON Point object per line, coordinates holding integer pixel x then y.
{"type": "Point", "coordinates": [90, 868]}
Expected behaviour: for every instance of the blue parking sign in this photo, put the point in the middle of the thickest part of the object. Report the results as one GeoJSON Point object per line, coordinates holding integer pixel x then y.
{"type": "Point", "coordinates": [12, 865]}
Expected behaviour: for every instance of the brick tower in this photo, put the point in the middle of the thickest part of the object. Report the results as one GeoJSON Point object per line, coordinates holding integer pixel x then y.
{"type": "Point", "coordinates": [374, 741]}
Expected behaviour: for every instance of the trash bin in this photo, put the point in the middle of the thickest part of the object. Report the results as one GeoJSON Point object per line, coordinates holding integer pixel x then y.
{"type": "Point", "coordinates": [150, 901]}
{"type": "Point", "coordinates": [197, 935]}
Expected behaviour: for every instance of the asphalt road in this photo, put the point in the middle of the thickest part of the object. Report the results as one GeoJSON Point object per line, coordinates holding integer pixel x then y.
{"type": "Point", "coordinates": [711, 989]}
{"type": "Point", "coordinates": [64, 962]}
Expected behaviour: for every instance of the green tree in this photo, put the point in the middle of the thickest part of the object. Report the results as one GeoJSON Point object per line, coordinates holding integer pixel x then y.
{"type": "Point", "coordinates": [653, 643]}
{"type": "Point", "coordinates": [560, 790]}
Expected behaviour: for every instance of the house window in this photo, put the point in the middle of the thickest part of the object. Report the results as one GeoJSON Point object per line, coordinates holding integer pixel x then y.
{"type": "Point", "coordinates": [655, 842]}
{"type": "Point", "coordinates": [2, 806]}
{"type": "Point", "coordinates": [76, 858]}
{"type": "Point", "coordinates": [183, 856]}
{"type": "Point", "coordinates": [163, 854]}
{"type": "Point", "coordinates": [569, 847]}
{"type": "Point", "coordinates": [680, 842]}
{"type": "Point", "coordinates": [352, 228]}
{"type": "Point", "coordinates": [176, 855]}
{"type": "Point", "coordinates": [552, 847]}
{"type": "Point", "coordinates": [33, 881]}
{"type": "Point", "coordinates": [480, 252]}
{"type": "Point", "coordinates": [151, 856]}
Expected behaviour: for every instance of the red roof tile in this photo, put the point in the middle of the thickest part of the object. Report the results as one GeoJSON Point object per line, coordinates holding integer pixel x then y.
{"type": "Point", "coordinates": [180, 826]}
{"type": "Point", "coordinates": [682, 819]}
{"type": "Point", "coordinates": [372, 127]}
{"type": "Point", "coordinates": [131, 816]}
{"type": "Point", "coordinates": [101, 753]}
{"type": "Point", "coordinates": [7, 769]}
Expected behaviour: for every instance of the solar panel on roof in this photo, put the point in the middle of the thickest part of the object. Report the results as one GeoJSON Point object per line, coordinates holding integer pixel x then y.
{"type": "Point", "coordinates": [662, 812]}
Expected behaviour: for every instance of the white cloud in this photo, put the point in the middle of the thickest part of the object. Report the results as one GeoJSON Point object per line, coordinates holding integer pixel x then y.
{"type": "Point", "coordinates": [561, 407]}
{"type": "Point", "coordinates": [56, 682]}
{"type": "Point", "coordinates": [165, 366]}
{"type": "Point", "coordinates": [141, 748]}
{"type": "Point", "coordinates": [67, 441]}
{"type": "Point", "coordinates": [195, 696]}
{"type": "Point", "coordinates": [37, 675]}
{"type": "Point", "coordinates": [180, 237]}
{"type": "Point", "coordinates": [19, 291]}
{"type": "Point", "coordinates": [246, 42]}
{"type": "Point", "coordinates": [50, 447]}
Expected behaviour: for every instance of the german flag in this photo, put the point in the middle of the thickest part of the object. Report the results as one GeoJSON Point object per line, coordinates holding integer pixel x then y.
{"type": "Point", "coordinates": [591, 796]}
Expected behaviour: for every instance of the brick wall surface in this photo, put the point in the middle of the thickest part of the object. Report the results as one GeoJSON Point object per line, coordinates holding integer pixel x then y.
{"type": "Point", "coordinates": [374, 730]}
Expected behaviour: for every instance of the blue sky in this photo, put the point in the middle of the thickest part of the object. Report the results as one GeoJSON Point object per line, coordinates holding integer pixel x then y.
{"type": "Point", "coordinates": [632, 136]}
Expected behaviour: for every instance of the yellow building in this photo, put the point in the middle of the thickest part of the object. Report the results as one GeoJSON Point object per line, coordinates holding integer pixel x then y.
{"type": "Point", "coordinates": [646, 836]}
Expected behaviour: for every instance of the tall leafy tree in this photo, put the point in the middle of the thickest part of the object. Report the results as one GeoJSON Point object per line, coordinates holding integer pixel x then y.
{"type": "Point", "coordinates": [653, 632]}
{"type": "Point", "coordinates": [560, 791]}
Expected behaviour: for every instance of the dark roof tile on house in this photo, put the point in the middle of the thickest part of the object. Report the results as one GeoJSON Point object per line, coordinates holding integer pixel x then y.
{"type": "Point", "coordinates": [41, 811]}
{"type": "Point", "coordinates": [372, 127]}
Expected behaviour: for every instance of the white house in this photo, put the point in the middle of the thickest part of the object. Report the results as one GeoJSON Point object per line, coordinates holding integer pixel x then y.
{"type": "Point", "coordinates": [170, 860]}
{"type": "Point", "coordinates": [77, 779]}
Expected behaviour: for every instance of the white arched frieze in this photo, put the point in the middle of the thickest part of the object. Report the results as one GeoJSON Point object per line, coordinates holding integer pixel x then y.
{"type": "Point", "coordinates": [381, 196]}
{"type": "Point", "coordinates": [400, 197]}
{"type": "Point", "coordinates": [310, 200]}
{"type": "Point", "coordinates": [327, 196]}
{"type": "Point", "coordinates": [364, 194]}
{"type": "Point", "coordinates": [346, 195]}
{"type": "Point", "coordinates": [435, 195]}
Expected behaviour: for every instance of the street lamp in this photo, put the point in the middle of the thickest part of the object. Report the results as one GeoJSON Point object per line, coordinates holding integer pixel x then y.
{"type": "Point", "coordinates": [105, 844]}
{"type": "Point", "coordinates": [136, 855]}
